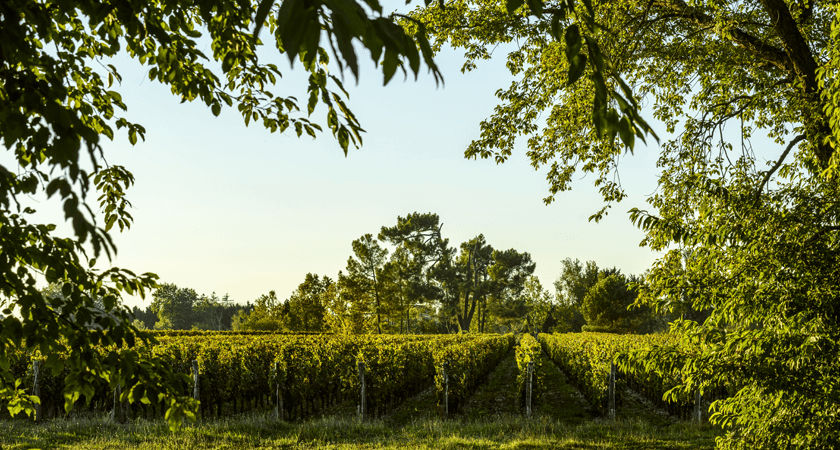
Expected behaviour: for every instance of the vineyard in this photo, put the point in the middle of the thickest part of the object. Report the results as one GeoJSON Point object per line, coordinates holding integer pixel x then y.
{"type": "Point", "coordinates": [295, 376]}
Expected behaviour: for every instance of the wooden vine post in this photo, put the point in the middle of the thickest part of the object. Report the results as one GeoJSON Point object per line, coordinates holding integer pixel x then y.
{"type": "Point", "coordinates": [362, 405]}
{"type": "Point", "coordinates": [278, 398]}
{"type": "Point", "coordinates": [698, 406]}
{"type": "Point", "coordinates": [611, 392]}
{"type": "Point", "coordinates": [195, 383]}
{"type": "Point", "coordinates": [36, 388]}
{"type": "Point", "coordinates": [446, 388]}
{"type": "Point", "coordinates": [530, 388]}
{"type": "Point", "coordinates": [118, 413]}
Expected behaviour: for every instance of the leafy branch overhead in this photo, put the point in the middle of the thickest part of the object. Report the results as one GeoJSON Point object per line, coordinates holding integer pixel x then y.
{"type": "Point", "coordinates": [60, 103]}
{"type": "Point", "coordinates": [582, 69]}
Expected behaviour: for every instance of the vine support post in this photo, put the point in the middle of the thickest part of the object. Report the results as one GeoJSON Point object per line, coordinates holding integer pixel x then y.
{"type": "Point", "coordinates": [36, 388]}
{"type": "Point", "coordinates": [530, 389]}
{"type": "Point", "coordinates": [611, 392]}
{"type": "Point", "coordinates": [362, 406]}
{"type": "Point", "coordinates": [118, 413]}
{"type": "Point", "coordinates": [196, 392]}
{"type": "Point", "coordinates": [446, 388]}
{"type": "Point", "coordinates": [698, 406]}
{"type": "Point", "coordinates": [278, 398]}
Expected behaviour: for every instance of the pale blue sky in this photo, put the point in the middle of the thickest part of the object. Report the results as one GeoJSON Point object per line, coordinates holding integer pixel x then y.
{"type": "Point", "coordinates": [232, 209]}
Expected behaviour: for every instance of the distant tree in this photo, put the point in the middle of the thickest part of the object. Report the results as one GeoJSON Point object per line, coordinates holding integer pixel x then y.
{"type": "Point", "coordinates": [575, 280]}
{"type": "Point", "coordinates": [564, 318]}
{"type": "Point", "coordinates": [306, 307]}
{"type": "Point", "coordinates": [214, 313]}
{"type": "Point", "coordinates": [266, 314]}
{"type": "Point", "coordinates": [571, 286]}
{"type": "Point", "coordinates": [527, 310]}
{"type": "Point", "coordinates": [508, 274]}
{"type": "Point", "coordinates": [145, 316]}
{"type": "Point", "coordinates": [607, 306]}
{"type": "Point", "coordinates": [239, 320]}
{"type": "Point", "coordinates": [466, 281]}
{"type": "Point", "coordinates": [540, 304]}
{"type": "Point", "coordinates": [364, 270]}
{"type": "Point", "coordinates": [173, 307]}
{"type": "Point", "coordinates": [480, 273]}
{"type": "Point", "coordinates": [418, 249]}
{"type": "Point", "coordinates": [352, 310]}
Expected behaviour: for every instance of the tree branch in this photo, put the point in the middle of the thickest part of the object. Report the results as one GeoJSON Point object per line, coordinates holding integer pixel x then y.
{"type": "Point", "coordinates": [755, 45]}
{"type": "Point", "coordinates": [794, 43]}
{"type": "Point", "coordinates": [778, 164]}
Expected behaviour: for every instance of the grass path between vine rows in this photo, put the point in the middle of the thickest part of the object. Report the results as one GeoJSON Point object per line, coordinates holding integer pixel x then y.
{"type": "Point", "coordinates": [491, 418]}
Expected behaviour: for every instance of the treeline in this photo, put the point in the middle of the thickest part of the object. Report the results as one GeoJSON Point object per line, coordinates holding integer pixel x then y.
{"type": "Point", "coordinates": [409, 279]}
{"type": "Point", "coordinates": [175, 308]}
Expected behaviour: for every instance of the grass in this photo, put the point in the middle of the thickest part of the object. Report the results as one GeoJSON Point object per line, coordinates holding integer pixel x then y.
{"type": "Point", "coordinates": [258, 431]}
{"type": "Point", "coordinates": [490, 419]}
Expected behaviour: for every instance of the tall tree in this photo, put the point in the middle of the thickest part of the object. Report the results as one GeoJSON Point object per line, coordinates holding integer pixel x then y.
{"type": "Point", "coordinates": [364, 269]}
{"type": "Point", "coordinates": [466, 281]}
{"type": "Point", "coordinates": [419, 249]}
{"type": "Point", "coordinates": [353, 311]}
{"type": "Point", "coordinates": [508, 274]}
{"type": "Point", "coordinates": [528, 309]}
{"type": "Point", "coordinates": [609, 306]}
{"type": "Point", "coordinates": [267, 313]}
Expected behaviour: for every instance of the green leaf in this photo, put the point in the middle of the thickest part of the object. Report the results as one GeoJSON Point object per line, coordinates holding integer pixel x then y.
{"type": "Point", "coordinates": [576, 68]}
{"type": "Point", "coordinates": [536, 6]}
{"type": "Point", "coordinates": [625, 131]}
{"type": "Point", "coordinates": [262, 13]}
{"type": "Point", "coordinates": [573, 41]}
{"type": "Point", "coordinates": [513, 5]}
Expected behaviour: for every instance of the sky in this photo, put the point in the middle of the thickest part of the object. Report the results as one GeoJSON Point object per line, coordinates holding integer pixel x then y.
{"type": "Point", "coordinates": [221, 207]}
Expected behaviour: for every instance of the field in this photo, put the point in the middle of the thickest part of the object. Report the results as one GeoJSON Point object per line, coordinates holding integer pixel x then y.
{"type": "Point", "coordinates": [267, 390]}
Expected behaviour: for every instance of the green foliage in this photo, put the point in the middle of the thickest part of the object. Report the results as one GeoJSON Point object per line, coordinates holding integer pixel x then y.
{"type": "Point", "coordinates": [59, 101]}
{"type": "Point", "coordinates": [529, 350]}
{"type": "Point", "coordinates": [768, 298]}
{"type": "Point", "coordinates": [467, 364]}
{"type": "Point", "coordinates": [410, 280]}
{"type": "Point", "coordinates": [363, 282]}
{"type": "Point", "coordinates": [183, 308]}
{"type": "Point", "coordinates": [754, 228]}
{"type": "Point", "coordinates": [609, 307]}
{"type": "Point", "coordinates": [307, 306]}
{"type": "Point", "coordinates": [173, 306]}
{"type": "Point", "coordinates": [586, 358]}
{"type": "Point", "coordinates": [575, 280]}
{"type": "Point", "coordinates": [313, 370]}
{"type": "Point", "coordinates": [419, 249]}
{"type": "Point", "coordinates": [305, 310]}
